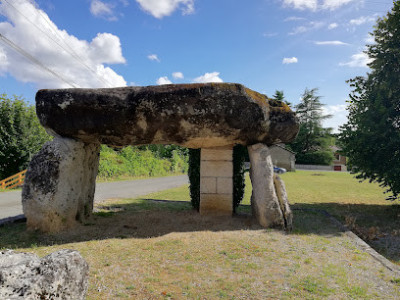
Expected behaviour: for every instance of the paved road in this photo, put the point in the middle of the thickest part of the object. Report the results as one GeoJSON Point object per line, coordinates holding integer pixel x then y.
{"type": "Point", "coordinates": [10, 202]}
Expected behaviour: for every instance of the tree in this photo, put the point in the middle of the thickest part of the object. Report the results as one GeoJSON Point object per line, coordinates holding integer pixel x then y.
{"type": "Point", "coordinates": [21, 135]}
{"type": "Point", "coordinates": [281, 97]}
{"type": "Point", "coordinates": [312, 143]}
{"type": "Point", "coordinates": [371, 136]}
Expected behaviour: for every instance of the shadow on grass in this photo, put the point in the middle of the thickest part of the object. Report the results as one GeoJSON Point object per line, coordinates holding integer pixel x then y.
{"type": "Point", "coordinates": [378, 225]}
{"type": "Point", "coordinates": [147, 218]}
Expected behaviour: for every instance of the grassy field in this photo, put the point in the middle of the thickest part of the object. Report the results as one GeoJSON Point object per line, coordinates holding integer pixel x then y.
{"type": "Point", "coordinates": [146, 249]}
{"type": "Point", "coordinates": [359, 205]}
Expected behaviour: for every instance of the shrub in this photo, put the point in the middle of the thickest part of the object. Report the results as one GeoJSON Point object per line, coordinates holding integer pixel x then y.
{"type": "Point", "coordinates": [132, 161]}
{"type": "Point", "coordinates": [239, 155]}
{"type": "Point", "coordinates": [194, 177]}
{"type": "Point", "coordinates": [315, 158]}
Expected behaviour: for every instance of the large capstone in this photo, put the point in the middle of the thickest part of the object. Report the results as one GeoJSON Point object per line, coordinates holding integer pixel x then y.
{"type": "Point", "coordinates": [60, 275]}
{"type": "Point", "coordinates": [192, 115]}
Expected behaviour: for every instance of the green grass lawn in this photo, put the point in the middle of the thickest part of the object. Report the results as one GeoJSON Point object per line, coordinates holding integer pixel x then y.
{"type": "Point", "coordinates": [360, 205]}
{"type": "Point", "coordinates": [144, 249]}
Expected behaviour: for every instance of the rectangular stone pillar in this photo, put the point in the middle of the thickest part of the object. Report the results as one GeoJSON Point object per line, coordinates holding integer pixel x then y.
{"type": "Point", "coordinates": [216, 183]}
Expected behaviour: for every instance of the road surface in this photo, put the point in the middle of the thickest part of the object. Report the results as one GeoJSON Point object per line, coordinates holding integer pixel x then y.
{"type": "Point", "coordinates": [10, 202]}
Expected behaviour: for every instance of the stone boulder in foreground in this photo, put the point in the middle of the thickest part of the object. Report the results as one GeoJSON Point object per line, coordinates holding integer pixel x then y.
{"type": "Point", "coordinates": [60, 275]}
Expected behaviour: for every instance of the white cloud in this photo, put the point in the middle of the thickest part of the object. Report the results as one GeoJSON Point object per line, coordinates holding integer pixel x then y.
{"type": "Point", "coordinates": [103, 10]}
{"type": "Point", "coordinates": [177, 75]}
{"type": "Point", "coordinates": [298, 29]}
{"type": "Point", "coordinates": [339, 116]}
{"type": "Point", "coordinates": [124, 2]}
{"type": "Point", "coordinates": [315, 5]}
{"type": "Point", "coordinates": [332, 26]}
{"type": "Point", "coordinates": [370, 39]}
{"type": "Point", "coordinates": [304, 28]}
{"type": "Point", "coordinates": [162, 8]}
{"type": "Point", "coordinates": [302, 4]}
{"type": "Point", "coordinates": [290, 60]}
{"type": "Point", "coordinates": [359, 60]}
{"type": "Point", "coordinates": [79, 62]}
{"type": "Point", "coordinates": [271, 34]}
{"type": "Point", "coordinates": [163, 80]}
{"type": "Point", "coordinates": [334, 4]}
{"type": "Point", "coordinates": [330, 43]}
{"type": "Point", "coordinates": [289, 19]}
{"type": "Point", "coordinates": [361, 20]}
{"type": "Point", "coordinates": [153, 57]}
{"type": "Point", "coordinates": [208, 77]}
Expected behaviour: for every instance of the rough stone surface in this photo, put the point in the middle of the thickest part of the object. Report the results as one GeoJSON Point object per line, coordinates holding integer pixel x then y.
{"type": "Point", "coordinates": [60, 275]}
{"type": "Point", "coordinates": [283, 202]}
{"type": "Point", "coordinates": [265, 203]}
{"type": "Point", "coordinates": [60, 184]}
{"type": "Point", "coordinates": [216, 204]}
{"type": "Point", "coordinates": [192, 115]}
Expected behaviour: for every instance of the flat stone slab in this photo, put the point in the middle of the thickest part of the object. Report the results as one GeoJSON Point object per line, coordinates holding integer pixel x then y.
{"type": "Point", "coordinates": [191, 115]}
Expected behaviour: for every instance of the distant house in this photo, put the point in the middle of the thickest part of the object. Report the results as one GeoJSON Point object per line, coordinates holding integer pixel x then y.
{"type": "Point", "coordinates": [339, 162]}
{"type": "Point", "coordinates": [282, 157]}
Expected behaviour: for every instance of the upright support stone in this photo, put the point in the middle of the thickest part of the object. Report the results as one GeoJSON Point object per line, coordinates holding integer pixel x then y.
{"type": "Point", "coordinates": [60, 184]}
{"type": "Point", "coordinates": [216, 182]}
{"type": "Point", "coordinates": [283, 201]}
{"type": "Point", "coordinates": [265, 203]}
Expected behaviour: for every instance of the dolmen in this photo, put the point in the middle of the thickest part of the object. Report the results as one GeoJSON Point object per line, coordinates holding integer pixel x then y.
{"type": "Point", "coordinates": [214, 117]}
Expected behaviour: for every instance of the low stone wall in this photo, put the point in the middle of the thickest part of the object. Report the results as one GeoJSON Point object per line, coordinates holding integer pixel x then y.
{"type": "Point", "coordinates": [320, 168]}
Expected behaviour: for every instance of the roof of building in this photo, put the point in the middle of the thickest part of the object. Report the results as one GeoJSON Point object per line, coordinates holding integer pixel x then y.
{"type": "Point", "coordinates": [282, 146]}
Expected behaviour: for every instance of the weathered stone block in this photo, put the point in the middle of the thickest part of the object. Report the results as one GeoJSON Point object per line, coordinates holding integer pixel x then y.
{"type": "Point", "coordinates": [60, 181]}
{"type": "Point", "coordinates": [216, 168]}
{"type": "Point", "coordinates": [208, 185]}
{"type": "Point", "coordinates": [192, 115]}
{"type": "Point", "coordinates": [60, 184]}
{"type": "Point", "coordinates": [225, 185]}
{"type": "Point", "coordinates": [216, 154]}
{"type": "Point", "coordinates": [284, 202]}
{"type": "Point", "coordinates": [216, 204]}
{"type": "Point", "coordinates": [264, 200]}
{"type": "Point", "coordinates": [60, 275]}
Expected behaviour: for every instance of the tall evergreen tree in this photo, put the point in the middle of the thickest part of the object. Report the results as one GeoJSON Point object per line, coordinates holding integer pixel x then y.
{"type": "Point", "coordinates": [281, 97]}
{"type": "Point", "coordinates": [312, 143]}
{"type": "Point", "coordinates": [371, 137]}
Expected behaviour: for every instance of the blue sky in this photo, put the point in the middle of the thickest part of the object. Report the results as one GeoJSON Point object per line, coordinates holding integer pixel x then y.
{"type": "Point", "coordinates": [266, 45]}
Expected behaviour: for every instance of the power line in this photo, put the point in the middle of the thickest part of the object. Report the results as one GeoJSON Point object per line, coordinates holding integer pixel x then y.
{"type": "Point", "coordinates": [73, 54]}
{"type": "Point", "coordinates": [34, 60]}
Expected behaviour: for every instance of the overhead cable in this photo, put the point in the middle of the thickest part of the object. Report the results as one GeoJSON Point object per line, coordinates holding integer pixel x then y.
{"type": "Point", "coordinates": [70, 52]}
{"type": "Point", "coordinates": [34, 60]}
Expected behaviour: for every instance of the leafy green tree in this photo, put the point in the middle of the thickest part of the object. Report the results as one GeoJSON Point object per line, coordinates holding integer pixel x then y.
{"type": "Point", "coordinates": [371, 137]}
{"type": "Point", "coordinates": [21, 135]}
{"type": "Point", "coordinates": [312, 143]}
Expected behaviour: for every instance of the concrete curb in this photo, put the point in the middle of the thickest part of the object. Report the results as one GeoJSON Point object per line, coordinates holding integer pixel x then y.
{"type": "Point", "coordinates": [361, 244]}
